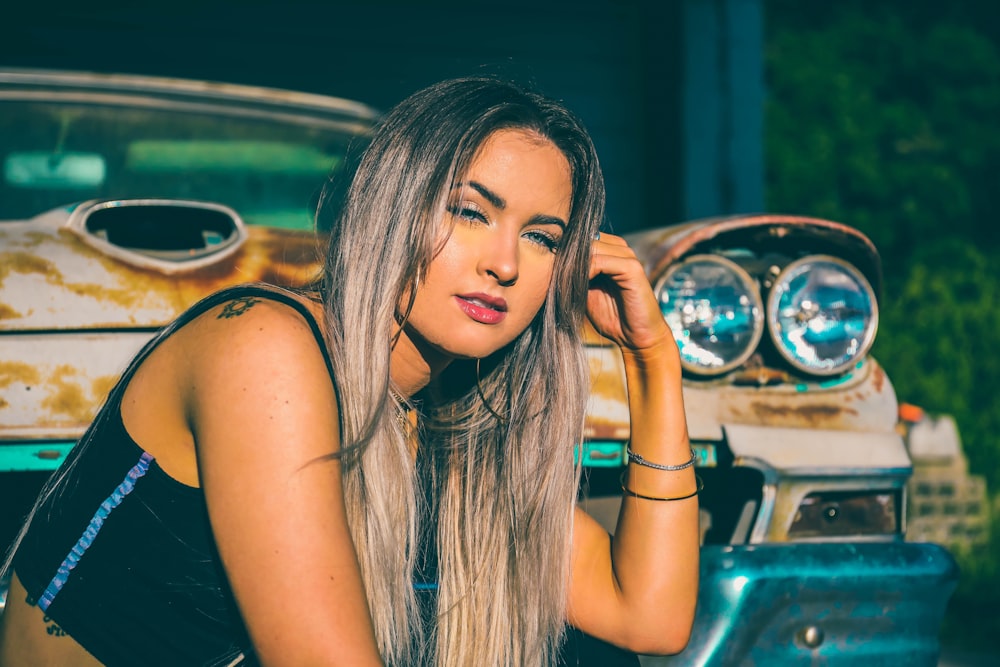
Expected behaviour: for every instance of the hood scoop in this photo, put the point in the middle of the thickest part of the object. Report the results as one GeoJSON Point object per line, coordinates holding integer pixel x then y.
{"type": "Point", "coordinates": [164, 235]}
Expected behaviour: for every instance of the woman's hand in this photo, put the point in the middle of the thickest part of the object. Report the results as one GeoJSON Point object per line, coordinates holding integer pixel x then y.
{"type": "Point", "coordinates": [620, 303]}
{"type": "Point", "coordinates": [639, 590]}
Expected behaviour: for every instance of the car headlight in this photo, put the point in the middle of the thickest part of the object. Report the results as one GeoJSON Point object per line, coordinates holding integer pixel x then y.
{"type": "Point", "coordinates": [714, 309]}
{"type": "Point", "coordinates": [822, 314]}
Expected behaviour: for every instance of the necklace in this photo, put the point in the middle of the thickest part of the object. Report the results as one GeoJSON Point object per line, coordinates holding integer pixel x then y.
{"type": "Point", "coordinates": [407, 417]}
{"type": "Point", "coordinates": [400, 401]}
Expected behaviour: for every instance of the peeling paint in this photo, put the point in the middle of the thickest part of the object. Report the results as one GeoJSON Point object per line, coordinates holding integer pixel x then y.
{"type": "Point", "coordinates": [108, 293]}
{"type": "Point", "coordinates": [35, 238]}
{"type": "Point", "coordinates": [101, 387]}
{"type": "Point", "coordinates": [23, 262]}
{"type": "Point", "coordinates": [16, 371]}
{"type": "Point", "coordinates": [69, 397]}
{"type": "Point", "coordinates": [878, 379]}
{"type": "Point", "coordinates": [812, 414]}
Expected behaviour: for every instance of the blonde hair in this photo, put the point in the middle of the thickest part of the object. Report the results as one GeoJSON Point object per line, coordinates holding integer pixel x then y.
{"type": "Point", "coordinates": [499, 434]}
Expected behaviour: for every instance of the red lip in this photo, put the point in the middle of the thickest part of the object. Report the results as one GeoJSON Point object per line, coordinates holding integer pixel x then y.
{"type": "Point", "coordinates": [483, 308]}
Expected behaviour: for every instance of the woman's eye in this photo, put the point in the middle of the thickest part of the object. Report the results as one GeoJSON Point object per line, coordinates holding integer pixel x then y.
{"type": "Point", "coordinates": [544, 239]}
{"type": "Point", "coordinates": [467, 212]}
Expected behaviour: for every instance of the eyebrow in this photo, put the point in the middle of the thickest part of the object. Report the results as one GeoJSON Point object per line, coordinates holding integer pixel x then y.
{"type": "Point", "coordinates": [487, 194]}
{"type": "Point", "coordinates": [501, 203]}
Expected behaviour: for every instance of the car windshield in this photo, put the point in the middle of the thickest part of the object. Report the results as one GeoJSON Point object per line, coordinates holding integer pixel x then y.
{"type": "Point", "coordinates": [269, 166]}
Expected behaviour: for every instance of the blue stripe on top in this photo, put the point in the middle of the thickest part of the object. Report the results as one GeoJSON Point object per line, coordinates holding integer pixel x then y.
{"type": "Point", "coordinates": [111, 502]}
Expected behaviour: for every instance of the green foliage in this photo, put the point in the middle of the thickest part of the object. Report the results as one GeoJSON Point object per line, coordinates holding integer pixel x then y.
{"type": "Point", "coordinates": [883, 114]}
{"type": "Point", "coordinates": [939, 340]}
{"type": "Point", "coordinates": [971, 620]}
{"type": "Point", "coordinates": [886, 127]}
{"type": "Point", "coordinates": [887, 121]}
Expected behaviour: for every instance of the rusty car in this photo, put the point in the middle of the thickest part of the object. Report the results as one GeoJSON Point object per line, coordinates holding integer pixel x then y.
{"type": "Point", "coordinates": [796, 430]}
{"type": "Point", "coordinates": [124, 199]}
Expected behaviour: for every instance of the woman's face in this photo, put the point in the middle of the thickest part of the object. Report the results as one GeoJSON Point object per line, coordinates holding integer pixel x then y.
{"type": "Point", "coordinates": [506, 218]}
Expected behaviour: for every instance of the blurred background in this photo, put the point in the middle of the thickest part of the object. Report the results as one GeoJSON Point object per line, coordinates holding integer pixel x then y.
{"type": "Point", "coordinates": [882, 114]}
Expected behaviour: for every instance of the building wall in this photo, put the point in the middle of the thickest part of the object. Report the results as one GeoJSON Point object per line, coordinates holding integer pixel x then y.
{"type": "Point", "coordinates": [590, 54]}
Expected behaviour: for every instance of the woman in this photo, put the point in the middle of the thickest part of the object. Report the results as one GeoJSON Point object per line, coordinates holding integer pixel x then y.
{"type": "Point", "coordinates": [397, 484]}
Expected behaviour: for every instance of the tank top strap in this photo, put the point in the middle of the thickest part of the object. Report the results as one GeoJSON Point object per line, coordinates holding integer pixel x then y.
{"type": "Point", "coordinates": [259, 290]}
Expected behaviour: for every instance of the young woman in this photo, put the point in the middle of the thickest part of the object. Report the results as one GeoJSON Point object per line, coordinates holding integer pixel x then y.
{"type": "Point", "coordinates": [381, 470]}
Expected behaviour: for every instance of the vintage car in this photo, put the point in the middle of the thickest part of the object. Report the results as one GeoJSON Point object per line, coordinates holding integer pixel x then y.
{"type": "Point", "coordinates": [124, 199]}
{"type": "Point", "coordinates": [796, 429]}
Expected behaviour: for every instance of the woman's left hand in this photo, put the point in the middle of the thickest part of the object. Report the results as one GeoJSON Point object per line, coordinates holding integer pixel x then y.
{"type": "Point", "coordinates": [620, 303]}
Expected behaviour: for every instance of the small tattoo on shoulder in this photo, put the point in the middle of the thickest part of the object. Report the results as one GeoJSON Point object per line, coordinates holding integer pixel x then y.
{"type": "Point", "coordinates": [237, 307]}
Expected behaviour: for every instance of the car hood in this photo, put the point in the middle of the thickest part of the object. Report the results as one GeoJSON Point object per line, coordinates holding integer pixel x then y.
{"type": "Point", "coordinates": [55, 277]}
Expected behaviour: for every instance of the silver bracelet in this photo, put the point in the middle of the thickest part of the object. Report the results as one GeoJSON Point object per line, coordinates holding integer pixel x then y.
{"type": "Point", "coordinates": [638, 460]}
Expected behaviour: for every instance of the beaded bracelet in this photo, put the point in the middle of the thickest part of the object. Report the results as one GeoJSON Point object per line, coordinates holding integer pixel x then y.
{"type": "Point", "coordinates": [638, 460]}
{"type": "Point", "coordinates": [629, 492]}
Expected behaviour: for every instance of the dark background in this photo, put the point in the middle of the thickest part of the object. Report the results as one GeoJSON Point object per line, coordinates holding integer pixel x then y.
{"type": "Point", "coordinates": [657, 83]}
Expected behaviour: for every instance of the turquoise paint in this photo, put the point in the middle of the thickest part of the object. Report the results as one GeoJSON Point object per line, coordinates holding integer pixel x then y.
{"type": "Point", "coordinates": [46, 455]}
{"type": "Point", "coordinates": [601, 454]}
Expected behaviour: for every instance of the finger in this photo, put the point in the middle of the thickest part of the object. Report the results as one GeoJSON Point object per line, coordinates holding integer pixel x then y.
{"type": "Point", "coordinates": [610, 239]}
{"type": "Point", "coordinates": [619, 265]}
{"type": "Point", "coordinates": [615, 251]}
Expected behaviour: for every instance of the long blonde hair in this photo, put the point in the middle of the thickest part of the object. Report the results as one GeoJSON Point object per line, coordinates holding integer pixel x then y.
{"type": "Point", "coordinates": [499, 433]}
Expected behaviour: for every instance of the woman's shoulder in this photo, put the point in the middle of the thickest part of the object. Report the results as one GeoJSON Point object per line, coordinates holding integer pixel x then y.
{"type": "Point", "coordinates": [234, 302]}
{"type": "Point", "coordinates": [235, 310]}
{"type": "Point", "coordinates": [253, 327]}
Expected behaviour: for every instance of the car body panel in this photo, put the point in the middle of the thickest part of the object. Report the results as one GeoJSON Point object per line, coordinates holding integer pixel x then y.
{"type": "Point", "coordinates": [52, 279]}
{"type": "Point", "coordinates": [831, 604]}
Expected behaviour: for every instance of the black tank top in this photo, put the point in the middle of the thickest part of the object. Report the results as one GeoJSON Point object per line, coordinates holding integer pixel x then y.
{"type": "Point", "coordinates": [122, 556]}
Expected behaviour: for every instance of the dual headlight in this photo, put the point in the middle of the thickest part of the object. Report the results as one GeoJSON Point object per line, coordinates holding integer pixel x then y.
{"type": "Point", "coordinates": [821, 313]}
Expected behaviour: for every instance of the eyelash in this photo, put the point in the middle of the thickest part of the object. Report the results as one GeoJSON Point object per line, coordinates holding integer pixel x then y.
{"type": "Point", "coordinates": [468, 212]}
{"type": "Point", "coordinates": [544, 239]}
{"type": "Point", "coordinates": [471, 213]}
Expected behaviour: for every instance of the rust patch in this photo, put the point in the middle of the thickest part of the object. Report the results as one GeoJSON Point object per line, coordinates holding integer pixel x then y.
{"type": "Point", "coordinates": [102, 386]}
{"type": "Point", "coordinates": [69, 398]}
{"type": "Point", "coordinates": [35, 238]}
{"type": "Point", "coordinates": [22, 262]}
{"type": "Point", "coordinates": [3, 404]}
{"type": "Point", "coordinates": [597, 429]}
{"type": "Point", "coordinates": [878, 378]}
{"type": "Point", "coordinates": [8, 313]}
{"type": "Point", "coordinates": [18, 371]}
{"type": "Point", "coordinates": [127, 298]}
{"type": "Point", "coordinates": [812, 414]}
{"type": "Point", "coordinates": [286, 276]}
{"type": "Point", "coordinates": [25, 262]}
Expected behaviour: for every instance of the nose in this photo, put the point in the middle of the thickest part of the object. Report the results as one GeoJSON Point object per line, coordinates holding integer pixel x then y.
{"type": "Point", "coordinates": [500, 259]}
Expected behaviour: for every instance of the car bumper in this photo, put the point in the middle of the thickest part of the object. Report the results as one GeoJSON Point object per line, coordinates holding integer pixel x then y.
{"type": "Point", "coordinates": [819, 604]}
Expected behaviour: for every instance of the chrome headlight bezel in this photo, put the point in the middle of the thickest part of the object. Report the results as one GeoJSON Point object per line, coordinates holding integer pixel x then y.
{"type": "Point", "coordinates": [777, 330]}
{"type": "Point", "coordinates": [688, 351]}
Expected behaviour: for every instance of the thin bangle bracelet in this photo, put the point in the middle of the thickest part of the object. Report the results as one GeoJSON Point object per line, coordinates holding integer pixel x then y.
{"type": "Point", "coordinates": [629, 492]}
{"type": "Point", "coordinates": [638, 460]}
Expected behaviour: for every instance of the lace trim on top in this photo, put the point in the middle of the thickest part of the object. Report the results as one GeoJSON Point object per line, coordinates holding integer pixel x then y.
{"type": "Point", "coordinates": [81, 546]}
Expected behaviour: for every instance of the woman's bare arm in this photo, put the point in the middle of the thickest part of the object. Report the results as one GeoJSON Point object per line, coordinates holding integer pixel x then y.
{"type": "Point", "coordinates": [639, 589]}
{"type": "Point", "coordinates": [262, 410]}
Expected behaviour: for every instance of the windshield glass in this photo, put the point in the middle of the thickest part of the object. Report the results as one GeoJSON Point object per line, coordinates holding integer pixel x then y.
{"type": "Point", "coordinates": [268, 167]}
